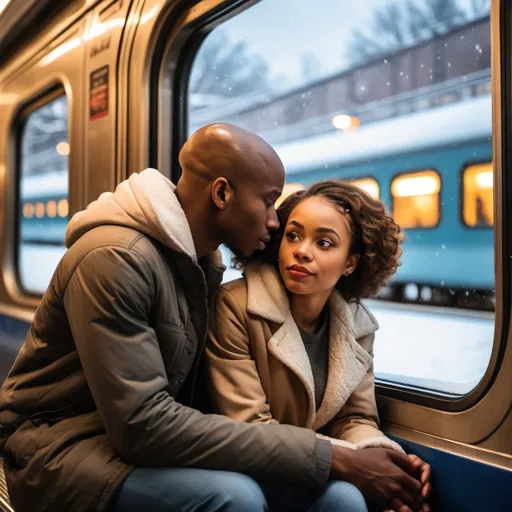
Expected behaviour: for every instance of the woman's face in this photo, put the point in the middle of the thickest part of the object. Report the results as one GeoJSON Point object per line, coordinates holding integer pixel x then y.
{"type": "Point", "coordinates": [315, 250]}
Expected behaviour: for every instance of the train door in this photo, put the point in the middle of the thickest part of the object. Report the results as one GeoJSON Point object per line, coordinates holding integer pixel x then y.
{"type": "Point", "coordinates": [42, 154]}
{"type": "Point", "coordinates": [58, 124]}
{"type": "Point", "coordinates": [314, 73]}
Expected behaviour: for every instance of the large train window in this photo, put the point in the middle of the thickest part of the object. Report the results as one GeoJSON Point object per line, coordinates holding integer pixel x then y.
{"type": "Point", "coordinates": [477, 195]}
{"type": "Point", "coordinates": [43, 190]}
{"type": "Point", "coordinates": [396, 89]}
{"type": "Point", "coordinates": [416, 199]}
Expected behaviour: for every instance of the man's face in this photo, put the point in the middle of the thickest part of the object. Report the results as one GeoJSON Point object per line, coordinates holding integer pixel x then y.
{"type": "Point", "coordinates": [252, 216]}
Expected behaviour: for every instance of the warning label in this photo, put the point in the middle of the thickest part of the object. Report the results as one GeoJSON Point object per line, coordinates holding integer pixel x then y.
{"type": "Point", "coordinates": [98, 101]}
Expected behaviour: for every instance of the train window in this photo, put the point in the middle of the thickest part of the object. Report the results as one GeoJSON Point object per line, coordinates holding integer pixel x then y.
{"type": "Point", "coordinates": [43, 191]}
{"type": "Point", "coordinates": [398, 89]}
{"type": "Point", "coordinates": [416, 199]}
{"type": "Point", "coordinates": [369, 185]}
{"type": "Point", "coordinates": [477, 195]}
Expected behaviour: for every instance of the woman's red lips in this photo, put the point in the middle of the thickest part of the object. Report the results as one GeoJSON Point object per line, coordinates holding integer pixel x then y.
{"type": "Point", "coordinates": [301, 270]}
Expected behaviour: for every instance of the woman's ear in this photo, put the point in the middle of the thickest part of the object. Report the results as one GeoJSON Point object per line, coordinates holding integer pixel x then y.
{"type": "Point", "coordinates": [352, 262]}
{"type": "Point", "coordinates": [222, 193]}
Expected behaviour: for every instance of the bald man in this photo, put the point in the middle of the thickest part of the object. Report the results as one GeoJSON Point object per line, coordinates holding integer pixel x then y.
{"type": "Point", "coordinates": [97, 412]}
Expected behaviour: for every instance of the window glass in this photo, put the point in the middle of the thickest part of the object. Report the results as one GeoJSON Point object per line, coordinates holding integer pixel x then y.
{"type": "Point", "coordinates": [477, 183]}
{"type": "Point", "coordinates": [399, 91]}
{"type": "Point", "coordinates": [416, 199]}
{"type": "Point", "coordinates": [43, 193]}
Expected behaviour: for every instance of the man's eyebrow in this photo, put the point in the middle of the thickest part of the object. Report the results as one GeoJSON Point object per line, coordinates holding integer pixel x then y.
{"type": "Point", "coordinates": [275, 193]}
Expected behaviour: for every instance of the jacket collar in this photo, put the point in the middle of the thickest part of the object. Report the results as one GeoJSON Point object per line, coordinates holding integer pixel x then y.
{"type": "Point", "coordinates": [213, 269]}
{"type": "Point", "coordinates": [266, 297]}
{"type": "Point", "coordinates": [348, 361]}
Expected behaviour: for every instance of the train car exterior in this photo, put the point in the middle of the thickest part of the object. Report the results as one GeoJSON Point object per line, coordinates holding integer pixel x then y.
{"type": "Point", "coordinates": [443, 142]}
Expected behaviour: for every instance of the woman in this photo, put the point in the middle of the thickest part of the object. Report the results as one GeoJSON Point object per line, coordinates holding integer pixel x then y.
{"type": "Point", "coordinates": [291, 342]}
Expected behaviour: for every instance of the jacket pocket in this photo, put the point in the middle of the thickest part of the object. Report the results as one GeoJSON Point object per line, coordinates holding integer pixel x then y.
{"type": "Point", "coordinates": [177, 359]}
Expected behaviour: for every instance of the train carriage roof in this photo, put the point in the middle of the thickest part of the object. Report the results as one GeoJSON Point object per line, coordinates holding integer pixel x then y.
{"type": "Point", "coordinates": [442, 126]}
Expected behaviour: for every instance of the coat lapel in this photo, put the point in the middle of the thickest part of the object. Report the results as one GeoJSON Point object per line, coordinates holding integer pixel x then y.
{"type": "Point", "coordinates": [348, 361]}
{"type": "Point", "coordinates": [286, 345]}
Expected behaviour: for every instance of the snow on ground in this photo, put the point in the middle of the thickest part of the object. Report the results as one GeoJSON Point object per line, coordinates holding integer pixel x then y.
{"type": "Point", "coordinates": [446, 351]}
{"type": "Point", "coordinates": [37, 265]}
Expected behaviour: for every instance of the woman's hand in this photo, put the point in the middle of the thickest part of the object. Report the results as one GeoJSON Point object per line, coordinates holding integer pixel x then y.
{"type": "Point", "coordinates": [424, 470]}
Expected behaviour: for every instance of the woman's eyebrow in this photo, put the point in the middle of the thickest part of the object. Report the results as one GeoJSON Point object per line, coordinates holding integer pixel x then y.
{"type": "Point", "coordinates": [318, 230]}
{"type": "Point", "coordinates": [328, 230]}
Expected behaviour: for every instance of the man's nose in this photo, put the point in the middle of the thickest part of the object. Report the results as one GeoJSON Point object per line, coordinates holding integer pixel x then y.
{"type": "Point", "coordinates": [272, 220]}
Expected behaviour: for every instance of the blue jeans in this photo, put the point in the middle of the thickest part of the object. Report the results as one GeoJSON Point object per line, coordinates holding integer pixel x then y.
{"type": "Point", "coordinates": [202, 490]}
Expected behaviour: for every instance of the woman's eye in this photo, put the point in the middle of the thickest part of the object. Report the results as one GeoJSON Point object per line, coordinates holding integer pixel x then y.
{"type": "Point", "coordinates": [292, 236]}
{"type": "Point", "coordinates": [324, 244]}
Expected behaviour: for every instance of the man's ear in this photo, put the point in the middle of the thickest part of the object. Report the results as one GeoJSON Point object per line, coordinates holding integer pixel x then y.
{"type": "Point", "coordinates": [222, 193]}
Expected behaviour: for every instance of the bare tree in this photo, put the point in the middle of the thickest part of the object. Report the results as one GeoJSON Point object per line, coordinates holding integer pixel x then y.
{"type": "Point", "coordinates": [43, 130]}
{"type": "Point", "coordinates": [479, 8]}
{"type": "Point", "coordinates": [395, 26]}
{"type": "Point", "coordinates": [311, 66]}
{"type": "Point", "coordinates": [226, 68]}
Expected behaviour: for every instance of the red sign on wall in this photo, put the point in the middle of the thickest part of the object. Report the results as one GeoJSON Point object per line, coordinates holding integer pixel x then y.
{"type": "Point", "coordinates": [98, 100]}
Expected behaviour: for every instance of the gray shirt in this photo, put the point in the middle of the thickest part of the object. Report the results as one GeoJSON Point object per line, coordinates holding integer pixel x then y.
{"type": "Point", "coordinates": [317, 348]}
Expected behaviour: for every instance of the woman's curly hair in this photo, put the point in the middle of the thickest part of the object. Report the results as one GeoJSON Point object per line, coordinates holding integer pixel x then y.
{"type": "Point", "coordinates": [375, 236]}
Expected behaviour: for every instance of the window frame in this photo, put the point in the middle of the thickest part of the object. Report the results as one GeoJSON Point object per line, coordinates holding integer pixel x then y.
{"type": "Point", "coordinates": [474, 416]}
{"type": "Point", "coordinates": [44, 97]}
{"type": "Point", "coordinates": [465, 167]}
{"type": "Point", "coordinates": [400, 174]}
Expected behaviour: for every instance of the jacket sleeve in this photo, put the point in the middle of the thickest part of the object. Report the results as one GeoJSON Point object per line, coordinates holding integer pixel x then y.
{"type": "Point", "coordinates": [108, 301]}
{"type": "Point", "coordinates": [358, 420]}
{"type": "Point", "coordinates": [234, 379]}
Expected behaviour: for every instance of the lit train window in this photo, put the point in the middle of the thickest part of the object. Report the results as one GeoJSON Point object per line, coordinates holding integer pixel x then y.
{"type": "Point", "coordinates": [477, 199]}
{"type": "Point", "coordinates": [416, 199]}
{"type": "Point", "coordinates": [368, 185]}
{"type": "Point", "coordinates": [43, 190]}
{"type": "Point", "coordinates": [373, 99]}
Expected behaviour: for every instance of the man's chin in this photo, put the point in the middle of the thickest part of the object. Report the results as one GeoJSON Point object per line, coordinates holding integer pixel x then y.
{"type": "Point", "coordinates": [242, 254]}
{"type": "Point", "coordinates": [238, 253]}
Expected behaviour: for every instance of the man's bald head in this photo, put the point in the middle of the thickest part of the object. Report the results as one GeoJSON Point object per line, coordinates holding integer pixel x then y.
{"type": "Point", "coordinates": [230, 180]}
{"type": "Point", "coordinates": [224, 150]}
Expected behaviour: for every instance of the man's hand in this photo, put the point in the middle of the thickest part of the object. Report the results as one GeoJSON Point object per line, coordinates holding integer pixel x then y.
{"type": "Point", "coordinates": [422, 469]}
{"type": "Point", "coordinates": [384, 476]}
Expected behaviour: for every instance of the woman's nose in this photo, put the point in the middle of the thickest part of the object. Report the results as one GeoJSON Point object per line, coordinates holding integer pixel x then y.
{"type": "Point", "coordinates": [303, 252]}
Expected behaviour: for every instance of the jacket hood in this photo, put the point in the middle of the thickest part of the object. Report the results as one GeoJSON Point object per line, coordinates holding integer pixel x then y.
{"type": "Point", "coordinates": [146, 202]}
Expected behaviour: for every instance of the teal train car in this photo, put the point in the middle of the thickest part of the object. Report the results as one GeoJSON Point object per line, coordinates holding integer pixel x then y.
{"type": "Point", "coordinates": [433, 171]}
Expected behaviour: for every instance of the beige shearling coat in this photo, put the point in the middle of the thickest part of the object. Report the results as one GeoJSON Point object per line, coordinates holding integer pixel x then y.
{"type": "Point", "coordinates": [260, 372]}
